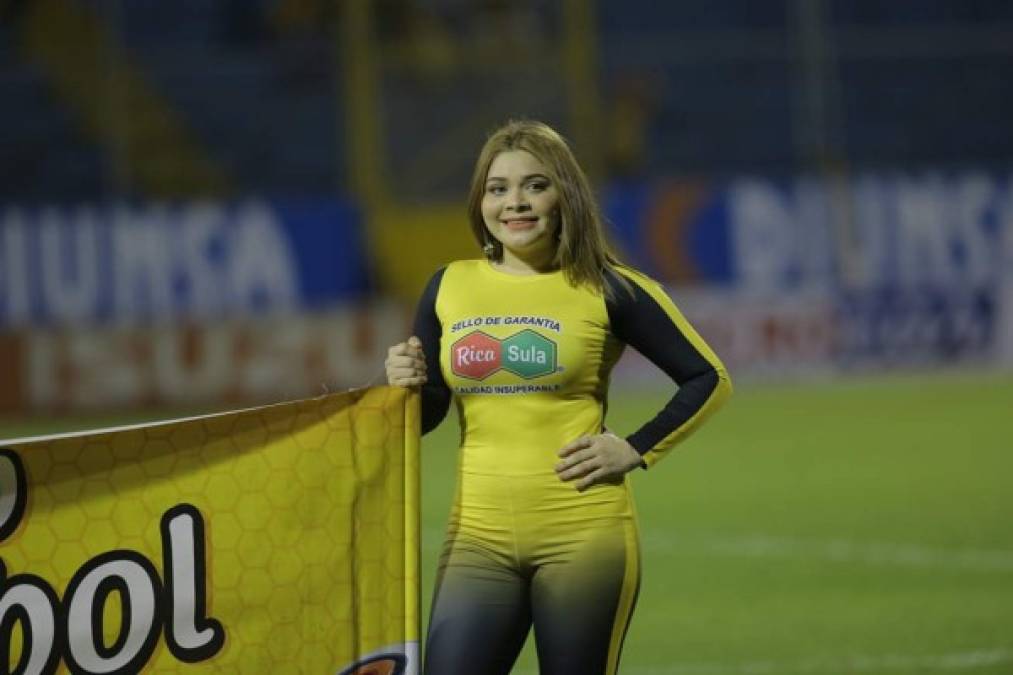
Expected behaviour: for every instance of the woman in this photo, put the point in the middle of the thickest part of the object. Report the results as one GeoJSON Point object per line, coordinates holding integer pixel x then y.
{"type": "Point", "coordinates": [542, 531]}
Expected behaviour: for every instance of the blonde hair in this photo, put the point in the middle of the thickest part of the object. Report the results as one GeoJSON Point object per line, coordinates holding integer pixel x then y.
{"type": "Point", "coordinates": [581, 252]}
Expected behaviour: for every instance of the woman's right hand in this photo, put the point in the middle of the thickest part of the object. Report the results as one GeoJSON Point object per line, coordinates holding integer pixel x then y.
{"type": "Point", "coordinates": [406, 364]}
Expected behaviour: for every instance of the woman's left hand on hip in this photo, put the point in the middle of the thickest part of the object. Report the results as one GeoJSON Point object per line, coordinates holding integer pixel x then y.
{"type": "Point", "coordinates": [593, 460]}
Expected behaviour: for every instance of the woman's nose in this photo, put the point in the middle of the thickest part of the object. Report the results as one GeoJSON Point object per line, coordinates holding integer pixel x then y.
{"type": "Point", "coordinates": [516, 201]}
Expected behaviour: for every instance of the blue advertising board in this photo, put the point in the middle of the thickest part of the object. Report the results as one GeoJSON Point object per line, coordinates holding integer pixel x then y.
{"type": "Point", "coordinates": [872, 231]}
{"type": "Point", "coordinates": [672, 230]}
{"type": "Point", "coordinates": [912, 264]}
{"type": "Point", "coordinates": [164, 261]}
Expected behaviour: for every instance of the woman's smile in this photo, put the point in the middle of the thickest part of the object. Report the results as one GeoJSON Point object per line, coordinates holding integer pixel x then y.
{"type": "Point", "coordinates": [521, 223]}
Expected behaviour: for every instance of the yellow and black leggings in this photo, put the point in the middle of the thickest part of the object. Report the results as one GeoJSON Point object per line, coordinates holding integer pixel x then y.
{"type": "Point", "coordinates": [527, 551]}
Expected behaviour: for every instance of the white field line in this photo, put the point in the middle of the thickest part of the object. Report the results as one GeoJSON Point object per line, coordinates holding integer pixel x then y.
{"type": "Point", "coordinates": [835, 665]}
{"type": "Point", "coordinates": [838, 551]}
{"type": "Point", "coordinates": [844, 551]}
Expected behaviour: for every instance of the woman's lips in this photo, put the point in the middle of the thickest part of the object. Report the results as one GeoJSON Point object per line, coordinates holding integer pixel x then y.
{"type": "Point", "coordinates": [521, 224]}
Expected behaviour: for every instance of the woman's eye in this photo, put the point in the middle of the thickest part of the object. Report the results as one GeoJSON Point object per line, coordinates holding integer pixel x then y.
{"type": "Point", "coordinates": [538, 187]}
{"type": "Point", "coordinates": [496, 189]}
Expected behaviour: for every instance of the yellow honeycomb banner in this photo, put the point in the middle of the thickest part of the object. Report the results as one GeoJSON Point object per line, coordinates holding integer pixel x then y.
{"type": "Point", "coordinates": [271, 540]}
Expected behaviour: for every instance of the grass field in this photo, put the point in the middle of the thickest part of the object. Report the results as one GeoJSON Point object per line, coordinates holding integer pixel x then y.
{"type": "Point", "coordinates": [855, 527]}
{"type": "Point", "coordinates": [864, 527]}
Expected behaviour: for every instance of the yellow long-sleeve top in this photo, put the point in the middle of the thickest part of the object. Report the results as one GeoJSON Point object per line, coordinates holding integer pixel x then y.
{"type": "Point", "coordinates": [527, 360]}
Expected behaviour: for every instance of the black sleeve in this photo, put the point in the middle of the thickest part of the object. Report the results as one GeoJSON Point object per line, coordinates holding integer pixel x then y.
{"type": "Point", "coordinates": [638, 320]}
{"type": "Point", "coordinates": [435, 393]}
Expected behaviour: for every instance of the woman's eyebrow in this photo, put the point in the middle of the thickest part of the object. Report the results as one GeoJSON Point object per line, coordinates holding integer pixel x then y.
{"type": "Point", "coordinates": [525, 178]}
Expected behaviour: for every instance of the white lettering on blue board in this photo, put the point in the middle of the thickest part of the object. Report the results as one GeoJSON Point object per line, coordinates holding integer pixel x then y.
{"type": "Point", "coordinates": [873, 230]}
{"type": "Point", "coordinates": [124, 263]}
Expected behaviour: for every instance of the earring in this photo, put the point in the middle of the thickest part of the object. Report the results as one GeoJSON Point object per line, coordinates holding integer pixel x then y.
{"type": "Point", "coordinates": [489, 249]}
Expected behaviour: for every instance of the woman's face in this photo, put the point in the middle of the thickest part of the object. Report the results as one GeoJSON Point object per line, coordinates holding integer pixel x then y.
{"type": "Point", "coordinates": [520, 205]}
